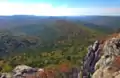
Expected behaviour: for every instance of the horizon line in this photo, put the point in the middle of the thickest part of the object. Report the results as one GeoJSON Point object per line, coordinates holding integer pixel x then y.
{"type": "Point", "coordinates": [56, 15]}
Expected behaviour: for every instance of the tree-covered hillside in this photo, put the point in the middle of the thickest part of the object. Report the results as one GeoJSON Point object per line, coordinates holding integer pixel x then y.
{"type": "Point", "coordinates": [47, 43]}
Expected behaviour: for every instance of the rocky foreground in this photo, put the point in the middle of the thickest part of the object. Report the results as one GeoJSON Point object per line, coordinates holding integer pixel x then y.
{"type": "Point", "coordinates": [23, 71]}
{"type": "Point", "coordinates": [103, 59]}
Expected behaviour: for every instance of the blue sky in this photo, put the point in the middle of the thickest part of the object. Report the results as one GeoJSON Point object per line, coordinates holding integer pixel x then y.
{"type": "Point", "coordinates": [75, 3]}
{"type": "Point", "coordinates": [60, 7]}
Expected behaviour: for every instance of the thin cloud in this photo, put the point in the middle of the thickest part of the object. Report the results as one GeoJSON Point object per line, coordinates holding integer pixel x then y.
{"type": "Point", "coordinates": [7, 8]}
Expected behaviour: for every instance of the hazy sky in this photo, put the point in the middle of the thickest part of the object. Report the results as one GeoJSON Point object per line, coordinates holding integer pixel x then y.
{"type": "Point", "coordinates": [59, 7]}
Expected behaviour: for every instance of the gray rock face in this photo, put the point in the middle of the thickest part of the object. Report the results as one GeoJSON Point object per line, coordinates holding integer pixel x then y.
{"type": "Point", "coordinates": [106, 65]}
{"type": "Point", "coordinates": [90, 60]}
{"type": "Point", "coordinates": [111, 49]}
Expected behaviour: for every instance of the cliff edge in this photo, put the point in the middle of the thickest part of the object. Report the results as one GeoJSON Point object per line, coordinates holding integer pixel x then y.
{"type": "Point", "coordinates": [103, 59]}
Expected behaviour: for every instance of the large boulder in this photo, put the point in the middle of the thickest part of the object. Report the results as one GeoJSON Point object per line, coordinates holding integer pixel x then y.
{"type": "Point", "coordinates": [20, 70]}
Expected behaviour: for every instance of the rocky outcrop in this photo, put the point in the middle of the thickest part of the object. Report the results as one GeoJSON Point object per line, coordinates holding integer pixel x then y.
{"type": "Point", "coordinates": [107, 64]}
{"type": "Point", "coordinates": [90, 60]}
{"type": "Point", "coordinates": [20, 71]}
{"type": "Point", "coordinates": [23, 71]}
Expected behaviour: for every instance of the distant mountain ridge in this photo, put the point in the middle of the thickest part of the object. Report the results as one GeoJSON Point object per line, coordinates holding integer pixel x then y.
{"type": "Point", "coordinates": [53, 29]}
{"type": "Point", "coordinates": [49, 30]}
{"type": "Point", "coordinates": [108, 21]}
{"type": "Point", "coordinates": [7, 22]}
